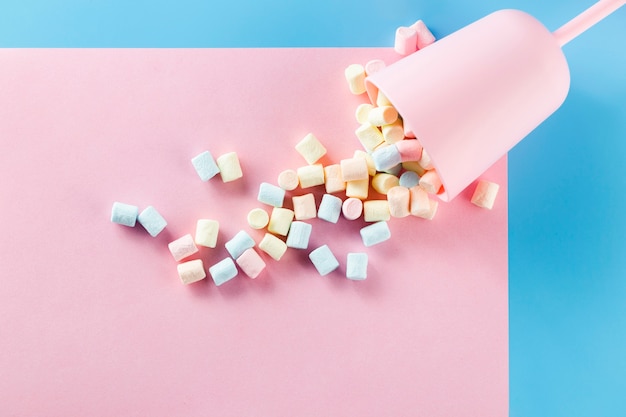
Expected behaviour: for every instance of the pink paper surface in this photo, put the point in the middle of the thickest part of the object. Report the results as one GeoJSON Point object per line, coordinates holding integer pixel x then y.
{"type": "Point", "coordinates": [93, 318]}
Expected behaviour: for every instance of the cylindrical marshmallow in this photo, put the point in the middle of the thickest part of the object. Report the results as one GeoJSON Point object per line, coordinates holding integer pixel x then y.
{"type": "Point", "coordinates": [258, 218]}
{"type": "Point", "coordinates": [206, 232]}
{"type": "Point", "coordinates": [362, 112]}
{"type": "Point", "coordinates": [223, 271]}
{"type": "Point", "coordinates": [374, 66]}
{"type": "Point", "coordinates": [420, 203]}
{"type": "Point", "coordinates": [382, 182]}
{"type": "Point", "coordinates": [382, 100]}
{"type": "Point", "coordinates": [425, 161]}
{"type": "Point", "coordinates": [304, 206]}
{"type": "Point", "coordinates": [375, 233]}
{"type": "Point", "coordinates": [386, 157]}
{"type": "Point", "coordinates": [124, 214]}
{"type": "Point", "coordinates": [333, 181]}
{"type": "Point", "coordinates": [354, 169]}
{"type": "Point", "coordinates": [410, 150]}
{"type": "Point", "coordinates": [358, 188]}
{"type": "Point", "coordinates": [393, 132]}
{"type": "Point", "coordinates": [205, 165]}
{"type": "Point", "coordinates": [371, 168]}
{"type": "Point", "coordinates": [271, 194]}
{"type": "Point", "coordinates": [191, 271]}
{"type": "Point", "coordinates": [311, 175]}
{"type": "Point", "coordinates": [414, 166]}
{"type": "Point", "coordinates": [406, 40]}
{"type": "Point", "coordinates": [324, 260]}
{"type": "Point", "coordinates": [299, 235]}
{"type": "Point", "coordinates": [288, 180]}
{"type": "Point", "coordinates": [356, 266]}
{"type": "Point", "coordinates": [330, 208]}
{"type": "Point", "coordinates": [310, 148]}
{"type": "Point", "coordinates": [239, 244]}
{"type": "Point", "coordinates": [182, 247]}
{"type": "Point", "coordinates": [376, 210]}
{"type": "Point", "coordinates": [273, 246]}
{"type": "Point", "coordinates": [399, 199]}
{"type": "Point", "coordinates": [369, 136]}
{"type": "Point", "coordinates": [384, 115]}
{"type": "Point", "coordinates": [352, 208]}
{"type": "Point", "coordinates": [229, 166]}
{"type": "Point", "coordinates": [251, 263]}
{"type": "Point", "coordinates": [280, 220]}
{"type": "Point", "coordinates": [485, 194]}
{"type": "Point", "coordinates": [152, 221]}
{"type": "Point", "coordinates": [355, 76]}
{"type": "Point", "coordinates": [424, 35]}
{"type": "Point", "coordinates": [409, 179]}
{"type": "Point", "coordinates": [430, 182]}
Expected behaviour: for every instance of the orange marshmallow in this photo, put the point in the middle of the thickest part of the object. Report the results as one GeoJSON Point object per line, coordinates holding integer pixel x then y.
{"type": "Point", "coordinates": [382, 182]}
{"type": "Point", "coordinates": [333, 180]}
{"type": "Point", "coordinates": [430, 182]}
{"type": "Point", "coordinates": [304, 207]}
{"type": "Point", "coordinates": [485, 194]}
{"type": "Point", "coordinates": [354, 169]}
{"type": "Point", "coordinates": [399, 200]}
{"type": "Point", "coordinates": [358, 188]}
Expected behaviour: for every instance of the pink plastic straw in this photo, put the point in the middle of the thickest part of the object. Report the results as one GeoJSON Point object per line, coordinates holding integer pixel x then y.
{"type": "Point", "coordinates": [586, 19]}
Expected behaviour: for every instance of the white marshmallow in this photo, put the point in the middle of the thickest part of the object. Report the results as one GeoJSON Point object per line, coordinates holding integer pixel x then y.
{"type": "Point", "coordinates": [258, 218]}
{"type": "Point", "coordinates": [369, 136]}
{"type": "Point", "coordinates": [206, 232]}
{"type": "Point", "coordinates": [362, 111]}
{"type": "Point", "coordinates": [280, 220]}
{"type": "Point", "coordinates": [355, 76]}
{"type": "Point", "coordinates": [310, 148]}
{"type": "Point", "coordinates": [288, 180]}
{"type": "Point", "coordinates": [311, 175]}
{"type": "Point", "coordinates": [376, 210]}
{"type": "Point", "coordinates": [230, 168]}
{"type": "Point", "coordinates": [382, 182]}
{"type": "Point", "coordinates": [273, 246]}
{"type": "Point", "coordinates": [384, 115]}
{"type": "Point", "coordinates": [485, 194]}
{"type": "Point", "coordinates": [358, 189]}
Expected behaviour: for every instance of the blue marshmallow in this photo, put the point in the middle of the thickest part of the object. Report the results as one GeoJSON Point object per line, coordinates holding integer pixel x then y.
{"type": "Point", "coordinates": [356, 267]}
{"type": "Point", "coordinates": [394, 170]}
{"type": "Point", "coordinates": [324, 260]}
{"type": "Point", "coordinates": [152, 221]}
{"type": "Point", "coordinates": [205, 166]}
{"type": "Point", "coordinates": [375, 233]}
{"type": "Point", "coordinates": [223, 271]}
{"type": "Point", "coordinates": [271, 194]}
{"type": "Point", "coordinates": [124, 214]}
{"type": "Point", "coordinates": [386, 157]}
{"type": "Point", "coordinates": [239, 244]}
{"type": "Point", "coordinates": [330, 208]}
{"type": "Point", "coordinates": [409, 179]}
{"type": "Point", "coordinates": [299, 234]}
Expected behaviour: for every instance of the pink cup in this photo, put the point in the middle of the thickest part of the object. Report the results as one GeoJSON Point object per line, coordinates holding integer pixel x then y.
{"type": "Point", "coordinates": [473, 95]}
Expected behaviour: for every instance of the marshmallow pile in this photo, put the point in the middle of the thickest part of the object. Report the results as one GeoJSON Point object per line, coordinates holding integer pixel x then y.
{"type": "Point", "coordinates": [391, 161]}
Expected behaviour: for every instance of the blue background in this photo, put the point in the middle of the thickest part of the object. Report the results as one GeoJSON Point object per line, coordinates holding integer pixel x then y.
{"type": "Point", "coordinates": [567, 203]}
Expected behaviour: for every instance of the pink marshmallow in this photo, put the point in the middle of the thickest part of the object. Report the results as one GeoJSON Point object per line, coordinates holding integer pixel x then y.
{"type": "Point", "coordinates": [399, 200]}
{"type": "Point", "coordinates": [419, 202]}
{"type": "Point", "coordinates": [410, 150]}
{"type": "Point", "coordinates": [182, 247]}
{"type": "Point", "coordinates": [424, 35]}
{"type": "Point", "coordinates": [354, 169]}
{"type": "Point", "coordinates": [352, 208]}
{"type": "Point", "coordinates": [374, 66]}
{"type": "Point", "coordinates": [485, 194]}
{"type": "Point", "coordinates": [430, 182]}
{"type": "Point", "coordinates": [304, 207]}
{"type": "Point", "coordinates": [406, 40]}
{"type": "Point", "coordinates": [333, 181]}
{"type": "Point", "coordinates": [251, 263]}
